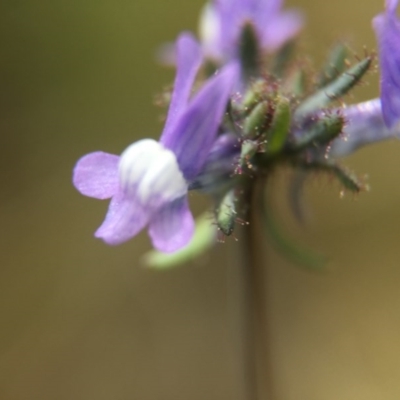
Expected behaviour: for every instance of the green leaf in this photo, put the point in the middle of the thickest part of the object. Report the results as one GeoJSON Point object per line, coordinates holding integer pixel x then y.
{"type": "Point", "coordinates": [295, 83]}
{"type": "Point", "coordinates": [287, 247]}
{"type": "Point", "coordinates": [321, 132]}
{"type": "Point", "coordinates": [337, 88]}
{"type": "Point", "coordinates": [283, 58]}
{"type": "Point", "coordinates": [335, 65]}
{"type": "Point", "coordinates": [347, 178]}
{"type": "Point", "coordinates": [204, 238]}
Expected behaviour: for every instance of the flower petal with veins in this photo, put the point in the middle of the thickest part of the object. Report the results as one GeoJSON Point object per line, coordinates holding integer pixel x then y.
{"type": "Point", "coordinates": [387, 29]}
{"type": "Point", "coordinates": [172, 227]}
{"type": "Point", "coordinates": [96, 175]}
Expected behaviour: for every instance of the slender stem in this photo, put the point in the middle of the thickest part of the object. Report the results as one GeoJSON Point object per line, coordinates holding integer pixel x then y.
{"type": "Point", "coordinates": [255, 329]}
{"type": "Point", "coordinates": [249, 300]}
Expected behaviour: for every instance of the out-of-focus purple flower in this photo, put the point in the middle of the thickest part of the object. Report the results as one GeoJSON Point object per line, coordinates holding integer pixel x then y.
{"type": "Point", "coordinates": [377, 119]}
{"type": "Point", "coordinates": [148, 183]}
{"type": "Point", "coordinates": [387, 28]}
{"type": "Point", "coordinates": [222, 21]}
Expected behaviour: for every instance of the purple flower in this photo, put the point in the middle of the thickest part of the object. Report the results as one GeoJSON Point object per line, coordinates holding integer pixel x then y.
{"type": "Point", "coordinates": [148, 183]}
{"type": "Point", "coordinates": [222, 21]}
{"type": "Point", "coordinates": [387, 28]}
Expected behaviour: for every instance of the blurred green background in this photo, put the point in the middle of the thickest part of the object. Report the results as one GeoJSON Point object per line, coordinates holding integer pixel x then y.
{"type": "Point", "coordinates": [81, 320]}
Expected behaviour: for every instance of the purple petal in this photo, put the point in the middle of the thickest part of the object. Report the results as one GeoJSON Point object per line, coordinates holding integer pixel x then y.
{"type": "Point", "coordinates": [231, 14]}
{"type": "Point", "coordinates": [280, 29]}
{"type": "Point", "coordinates": [219, 165]}
{"type": "Point", "coordinates": [391, 5]}
{"type": "Point", "coordinates": [387, 29]}
{"type": "Point", "coordinates": [196, 129]}
{"type": "Point", "coordinates": [364, 125]}
{"type": "Point", "coordinates": [96, 175]}
{"type": "Point", "coordinates": [265, 8]}
{"type": "Point", "coordinates": [273, 26]}
{"type": "Point", "coordinates": [124, 219]}
{"type": "Point", "coordinates": [172, 227]}
{"type": "Point", "coordinates": [189, 60]}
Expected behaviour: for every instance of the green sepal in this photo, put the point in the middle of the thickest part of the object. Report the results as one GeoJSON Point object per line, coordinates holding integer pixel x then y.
{"type": "Point", "coordinates": [249, 52]}
{"type": "Point", "coordinates": [321, 132]}
{"type": "Point", "coordinates": [335, 65]}
{"type": "Point", "coordinates": [295, 83]}
{"type": "Point", "coordinates": [279, 127]}
{"type": "Point", "coordinates": [225, 214]}
{"type": "Point", "coordinates": [253, 96]}
{"type": "Point", "coordinates": [280, 241]}
{"type": "Point", "coordinates": [257, 121]}
{"type": "Point", "coordinates": [204, 238]}
{"type": "Point", "coordinates": [334, 90]}
{"type": "Point", "coordinates": [346, 178]}
{"type": "Point", "coordinates": [248, 150]}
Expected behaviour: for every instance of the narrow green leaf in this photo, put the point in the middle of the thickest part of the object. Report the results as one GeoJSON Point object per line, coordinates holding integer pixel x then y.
{"type": "Point", "coordinates": [295, 83]}
{"type": "Point", "coordinates": [335, 65]}
{"type": "Point", "coordinates": [283, 58]}
{"type": "Point", "coordinates": [288, 248]}
{"type": "Point", "coordinates": [337, 88]}
{"type": "Point", "coordinates": [323, 131]}
{"type": "Point", "coordinates": [347, 178]}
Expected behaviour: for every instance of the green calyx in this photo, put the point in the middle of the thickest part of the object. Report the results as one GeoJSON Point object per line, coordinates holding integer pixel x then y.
{"type": "Point", "coordinates": [279, 128]}
{"type": "Point", "coordinates": [257, 122]}
{"type": "Point", "coordinates": [225, 214]}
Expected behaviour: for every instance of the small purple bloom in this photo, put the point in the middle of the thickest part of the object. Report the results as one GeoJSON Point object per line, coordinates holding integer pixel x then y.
{"type": "Point", "coordinates": [222, 21]}
{"type": "Point", "coordinates": [148, 183]}
{"type": "Point", "coordinates": [387, 28]}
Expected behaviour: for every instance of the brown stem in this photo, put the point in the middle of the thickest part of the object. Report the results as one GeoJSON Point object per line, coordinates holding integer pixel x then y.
{"type": "Point", "coordinates": [257, 375]}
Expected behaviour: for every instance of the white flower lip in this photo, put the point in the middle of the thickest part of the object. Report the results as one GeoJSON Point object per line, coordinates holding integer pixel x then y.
{"type": "Point", "coordinates": [150, 172]}
{"type": "Point", "coordinates": [209, 26]}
